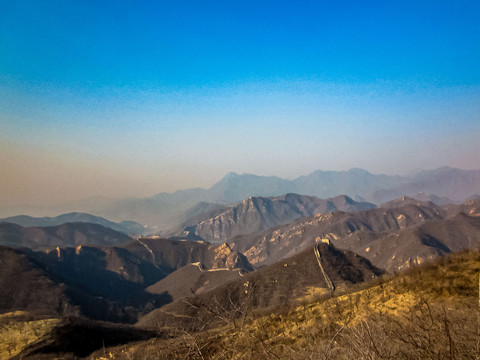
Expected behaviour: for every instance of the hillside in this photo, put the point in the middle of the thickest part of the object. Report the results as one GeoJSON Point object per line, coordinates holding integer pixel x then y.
{"type": "Point", "coordinates": [259, 213]}
{"type": "Point", "coordinates": [430, 311]}
{"type": "Point", "coordinates": [193, 279]}
{"type": "Point", "coordinates": [171, 255]}
{"type": "Point", "coordinates": [25, 286]}
{"type": "Point", "coordinates": [393, 237]}
{"type": "Point", "coordinates": [102, 284]}
{"type": "Point", "coordinates": [199, 212]}
{"type": "Point", "coordinates": [67, 234]}
{"type": "Point", "coordinates": [277, 312]}
{"type": "Point", "coordinates": [27, 336]}
{"type": "Point", "coordinates": [280, 284]}
{"type": "Point", "coordinates": [286, 240]}
{"type": "Point", "coordinates": [400, 249]}
{"type": "Point", "coordinates": [407, 200]}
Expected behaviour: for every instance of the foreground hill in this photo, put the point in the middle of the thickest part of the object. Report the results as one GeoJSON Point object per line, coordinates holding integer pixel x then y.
{"type": "Point", "coordinates": [126, 227]}
{"type": "Point", "coordinates": [259, 213]}
{"type": "Point", "coordinates": [393, 237]}
{"type": "Point", "coordinates": [317, 270]}
{"type": "Point", "coordinates": [68, 234]}
{"type": "Point", "coordinates": [430, 311]}
{"type": "Point", "coordinates": [27, 336]}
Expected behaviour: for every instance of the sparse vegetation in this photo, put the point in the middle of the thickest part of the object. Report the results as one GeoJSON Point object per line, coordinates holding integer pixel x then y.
{"type": "Point", "coordinates": [430, 312]}
{"type": "Point", "coordinates": [18, 330]}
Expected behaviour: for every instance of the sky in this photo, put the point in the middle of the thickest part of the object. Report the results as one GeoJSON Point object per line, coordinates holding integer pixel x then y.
{"type": "Point", "coordinates": [132, 98]}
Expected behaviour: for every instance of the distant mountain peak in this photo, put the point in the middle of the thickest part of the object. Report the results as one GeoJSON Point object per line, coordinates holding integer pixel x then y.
{"type": "Point", "coordinates": [444, 168]}
{"type": "Point", "coordinates": [230, 174]}
{"type": "Point", "coordinates": [166, 211]}
{"type": "Point", "coordinates": [345, 198]}
{"type": "Point", "coordinates": [358, 171]}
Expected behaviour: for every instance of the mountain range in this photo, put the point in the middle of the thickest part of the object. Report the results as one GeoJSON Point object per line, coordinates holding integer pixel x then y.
{"type": "Point", "coordinates": [74, 276]}
{"type": "Point", "coordinates": [67, 234]}
{"type": "Point", "coordinates": [393, 236]}
{"type": "Point", "coordinates": [166, 211]}
{"type": "Point", "coordinates": [126, 227]}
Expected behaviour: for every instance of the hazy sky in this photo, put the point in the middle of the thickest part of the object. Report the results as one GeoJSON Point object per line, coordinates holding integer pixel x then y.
{"type": "Point", "coordinates": [122, 98]}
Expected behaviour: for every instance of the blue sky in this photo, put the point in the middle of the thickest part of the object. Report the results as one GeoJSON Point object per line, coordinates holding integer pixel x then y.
{"type": "Point", "coordinates": [133, 98]}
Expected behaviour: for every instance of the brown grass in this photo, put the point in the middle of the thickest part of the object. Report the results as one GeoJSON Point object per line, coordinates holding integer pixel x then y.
{"type": "Point", "coordinates": [430, 311]}
{"type": "Point", "coordinates": [18, 330]}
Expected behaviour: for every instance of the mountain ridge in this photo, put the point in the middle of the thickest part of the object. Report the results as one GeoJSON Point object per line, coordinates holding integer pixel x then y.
{"type": "Point", "coordinates": [392, 237]}
{"type": "Point", "coordinates": [126, 227]}
{"type": "Point", "coordinates": [255, 214]}
{"type": "Point", "coordinates": [66, 234]}
{"type": "Point", "coordinates": [165, 210]}
{"type": "Point", "coordinates": [283, 283]}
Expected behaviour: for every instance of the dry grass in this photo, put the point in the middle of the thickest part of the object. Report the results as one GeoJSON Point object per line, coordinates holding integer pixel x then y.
{"type": "Point", "coordinates": [428, 312]}
{"type": "Point", "coordinates": [18, 330]}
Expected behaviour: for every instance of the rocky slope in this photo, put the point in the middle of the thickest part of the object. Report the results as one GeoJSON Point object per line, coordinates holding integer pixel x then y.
{"type": "Point", "coordinates": [393, 237]}
{"type": "Point", "coordinates": [259, 213]}
{"type": "Point", "coordinates": [283, 283]}
{"type": "Point", "coordinates": [286, 240]}
{"type": "Point", "coordinates": [171, 255]}
{"type": "Point", "coordinates": [103, 283]}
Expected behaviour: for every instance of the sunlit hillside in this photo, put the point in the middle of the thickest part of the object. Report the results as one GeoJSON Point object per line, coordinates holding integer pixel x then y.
{"type": "Point", "coordinates": [429, 312]}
